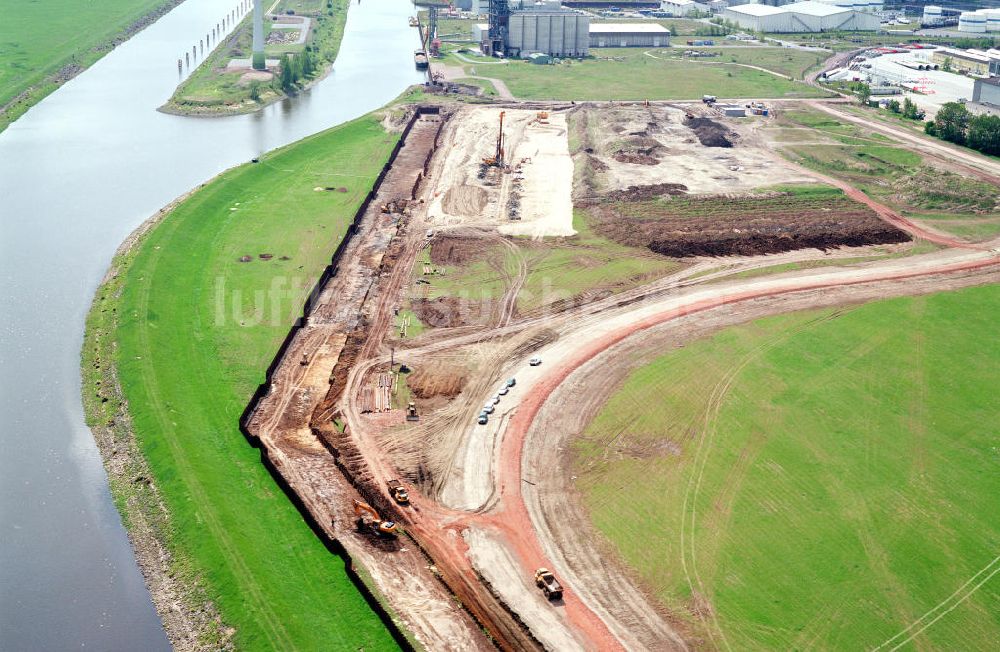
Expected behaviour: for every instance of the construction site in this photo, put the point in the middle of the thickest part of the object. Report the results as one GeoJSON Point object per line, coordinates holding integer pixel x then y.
{"type": "Point", "coordinates": [511, 260]}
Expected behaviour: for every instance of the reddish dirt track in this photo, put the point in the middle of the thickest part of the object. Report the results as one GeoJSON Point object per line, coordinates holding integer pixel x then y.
{"type": "Point", "coordinates": [512, 515]}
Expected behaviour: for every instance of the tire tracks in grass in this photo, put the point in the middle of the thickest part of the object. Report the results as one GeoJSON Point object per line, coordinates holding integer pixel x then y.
{"type": "Point", "coordinates": [709, 429]}
{"type": "Point", "coordinates": [272, 626]}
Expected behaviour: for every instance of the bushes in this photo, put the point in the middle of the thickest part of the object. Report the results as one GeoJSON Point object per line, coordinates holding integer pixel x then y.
{"type": "Point", "coordinates": [955, 124]}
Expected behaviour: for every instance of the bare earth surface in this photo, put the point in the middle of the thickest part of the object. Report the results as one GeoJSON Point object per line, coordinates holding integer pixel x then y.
{"type": "Point", "coordinates": [491, 503]}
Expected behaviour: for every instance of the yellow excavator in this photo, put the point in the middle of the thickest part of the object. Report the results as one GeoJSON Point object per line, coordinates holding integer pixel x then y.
{"type": "Point", "coordinates": [369, 519]}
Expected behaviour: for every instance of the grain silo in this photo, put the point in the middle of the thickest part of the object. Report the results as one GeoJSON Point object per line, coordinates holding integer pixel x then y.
{"type": "Point", "coordinates": [547, 27]}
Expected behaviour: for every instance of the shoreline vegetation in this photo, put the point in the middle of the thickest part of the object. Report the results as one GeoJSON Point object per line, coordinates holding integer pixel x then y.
{"type": "Point", "coordinates": [229, 560]}
{"type": "Point", "coordinates": [212, 89]}
{"type": "Point", "coordinates": [38, 68]}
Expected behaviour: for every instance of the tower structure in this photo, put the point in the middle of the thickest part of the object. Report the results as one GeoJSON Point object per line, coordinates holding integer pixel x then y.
{"type": "Point", "coordinates": [499, 19]}
{"type": "Point", "coordinates": [258, 36]}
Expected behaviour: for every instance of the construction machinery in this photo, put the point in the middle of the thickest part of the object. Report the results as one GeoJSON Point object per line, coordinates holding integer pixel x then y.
{"type": "Point", "coordinates": [370, 521]}
{"type": "Point", "coordinates": [398, 492]}
{"type": "Point", "coordinates": [411, 412]}
{"type": "Point", "coordinates": [497, 158]}
{"type": "Point", "coordinates": [548, 583]}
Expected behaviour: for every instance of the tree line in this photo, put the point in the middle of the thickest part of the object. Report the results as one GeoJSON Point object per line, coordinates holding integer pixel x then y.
{"type": "Point", "coordinates": [956, 124]}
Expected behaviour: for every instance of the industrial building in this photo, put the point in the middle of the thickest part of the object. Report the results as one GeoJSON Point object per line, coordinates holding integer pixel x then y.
{"type": "Point", "coordinates": [682, 7]}
{"type": "Point", "coordinates": [807, 16]}
{"type": "Point", "coordinates": [986, 96]}
{"type": "Point", "coordinates": [556, 32]}
{"type": "Point", "coordinates": [628, 35]}
{"type": "Point", "coordinates": [974, 62]}
{"type": "Point", "coordinates": [869, 6]}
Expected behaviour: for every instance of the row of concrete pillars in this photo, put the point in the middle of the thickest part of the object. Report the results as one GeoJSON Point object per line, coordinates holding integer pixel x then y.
{"type": "Point", "coordinates": [221, 28]}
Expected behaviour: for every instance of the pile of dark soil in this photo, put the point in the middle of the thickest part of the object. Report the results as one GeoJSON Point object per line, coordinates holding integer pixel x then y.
{"type": "Point", "coordinates": [710, 133]}
{"type": "Point", "coordinates": [715, 226]}
{"type": "Point", "coordinates": [450, 312]}
{"type": "Point", "coordinates": [639, 149]}
{"type": "Point", "coordinates": [459, 250]}
{"type": "Point", "coordinates": [641, 193]}
{"type": "Point", "coordinates": [435, 381]}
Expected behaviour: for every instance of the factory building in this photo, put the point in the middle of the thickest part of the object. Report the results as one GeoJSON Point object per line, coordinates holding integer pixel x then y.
{"type": "Point", "coordinates": [682, 7]}
{"type": "Point", "coordinates": [933, 15]}
{"type": "Point", "coordinates": [548, 28]}
{"type": "Point", "coordinates": [975, 62]}
{"type": "Point", "coordinates": [628, 35]}
{"type": "Point", "coordinates": [801, 17]}
{"type": "Point", "coordinates": [986, 96]}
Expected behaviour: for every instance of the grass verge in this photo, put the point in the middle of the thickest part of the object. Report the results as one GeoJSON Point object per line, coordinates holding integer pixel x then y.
{"type": "Point", "coordinates": [818, 479]}
{"type": "Point", "coordinates": [629, 74]}
{"type": "Point", "coordinates": [190, 329]}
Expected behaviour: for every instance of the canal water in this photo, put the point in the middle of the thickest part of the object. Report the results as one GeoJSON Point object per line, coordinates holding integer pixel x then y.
{"type": "Point", "coordinates": [77, 173]}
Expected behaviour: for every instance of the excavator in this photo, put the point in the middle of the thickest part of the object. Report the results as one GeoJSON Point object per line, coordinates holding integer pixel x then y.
{"type": "Point", "coordinates": [369, 519]}
{"type": "Point", "coordinates": [497, 158]}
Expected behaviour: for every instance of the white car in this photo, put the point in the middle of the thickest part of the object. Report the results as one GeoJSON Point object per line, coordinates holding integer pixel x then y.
{"type": "Point", "coordinates": [488, 408]}
{"type": "Point", "coordinates": [503, 391]}
{"type": "Point", "coordinates": [483, 420]}
{"type": "Point", "coordinates": [534, 362]}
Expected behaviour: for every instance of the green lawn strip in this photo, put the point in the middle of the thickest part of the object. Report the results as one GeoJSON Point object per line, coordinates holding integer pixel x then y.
{"type": "Point", "coordinates": [845, 485]}
{"type": "Point", "coordinates": [197, 329]}
{"type": "Point", "coordinates": [38, 39]}
{"type": "Point", "coordinates": [785, 61]}
{"type": "Point", "coordinates": [210, 88]}
{"type": "Point", "coordinates": [639, 77]}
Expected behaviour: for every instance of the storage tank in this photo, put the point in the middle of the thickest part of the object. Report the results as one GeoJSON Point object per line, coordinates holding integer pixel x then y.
{"type": "Point", "coordinates": [972, 21]}
{"type": "Point", "coordinates": [992, 20]}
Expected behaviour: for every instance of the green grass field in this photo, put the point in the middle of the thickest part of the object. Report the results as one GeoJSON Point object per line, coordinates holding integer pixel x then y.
{"type": "Point", "coordinates": [817, 480]}
{"type": "Point", "coordinates": [640, 77]}
{"type": "Point", "coordinates": [37, 39]}
{"type": "Point", "coordinates": [195, 329]}
{"type": "Point", "coordinates": [784, 61]}
{"type": "Point", "coordinates": [893, 175]}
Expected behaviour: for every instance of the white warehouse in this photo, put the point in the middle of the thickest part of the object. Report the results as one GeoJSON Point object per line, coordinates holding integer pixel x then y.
{"type": "Point", "coordinates": [801, 17]}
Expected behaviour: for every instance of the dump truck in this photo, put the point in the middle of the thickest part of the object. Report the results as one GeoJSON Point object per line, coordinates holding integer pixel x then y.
{"type": "Point", "coordinates": [370, 521]}
{"type": "Point", "coordinates": [548, 583]}
{"type": "Point", "coordinates": [398, 492]}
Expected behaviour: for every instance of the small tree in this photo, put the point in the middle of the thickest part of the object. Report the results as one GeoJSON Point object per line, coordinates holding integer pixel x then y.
{"type": "Point", "coordinates": [893, 106]}
{"type": "Point", "coordinates": [287, 74]}
{"type": "Point", "coordinates": [929, 128]}
{"type": "Point", "coordinates": [951, 122]}
{"type": "Point", "coordinates": [984, 134]}
{"type": "Point", "coordinates": [946, 64]}
{"type": "Point", "coordinates": [255, 90]}
{"type": "Point", "coordinates": [910, 109]}
{"type": "Point", "coordinates": [864, 93]}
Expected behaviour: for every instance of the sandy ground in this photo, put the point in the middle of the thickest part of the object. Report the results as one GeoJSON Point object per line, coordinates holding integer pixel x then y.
{"type": "Point", "coordinates": [546, 204]}
{"type": "Point", "coordinates": [704, 170]}
{"type": "Point", "coordinates": [460, 197]}
{"type": "Point", "coordinates": [494, 562]}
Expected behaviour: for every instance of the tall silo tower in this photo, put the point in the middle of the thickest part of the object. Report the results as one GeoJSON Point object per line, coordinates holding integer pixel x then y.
{"type": "Point", "coordinates": [258, 35]}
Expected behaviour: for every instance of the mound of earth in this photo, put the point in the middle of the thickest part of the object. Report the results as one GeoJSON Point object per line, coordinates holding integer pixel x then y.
{"type": "Point", "coordinates": [464, 200]}
{"type": "Point", "coordinates": [459, 250]}
{"type": "Point", "coordinates": [449, 312]}
{"type": "Point", "coordinates": [724, 226]}
{"type": "Point", "coordinates": [640, 193]}
{"type": "Point", "coordinates": [709, 132]}
{"type": "Point", "coordinates": [435, 381]}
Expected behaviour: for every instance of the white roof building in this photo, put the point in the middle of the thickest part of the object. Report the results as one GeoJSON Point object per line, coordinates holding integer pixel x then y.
{"type": "Point", "coordinates": [801, 17]}
{"type": "Point", "coordinates": [682, 7]}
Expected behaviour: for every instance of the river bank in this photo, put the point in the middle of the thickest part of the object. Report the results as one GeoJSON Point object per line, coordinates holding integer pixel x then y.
{"type": "Point", "coordinates": [225, 566]}
{"type": "Point", "coordinates": [79, 61]}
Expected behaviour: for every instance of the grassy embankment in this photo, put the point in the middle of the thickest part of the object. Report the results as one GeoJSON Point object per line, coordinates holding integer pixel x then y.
{"type": "Point", "coordinates": [836, 493]}
{"type": "Point", "coordinates": [211, 89]}
{"type": "Point", "coordinates": [190, 330]}
{"type": "Point", "coordinates": [630, 74]}
{"type": "Point", "coordinates": [43, 44]}
{"type": "Point", "coordinates": [895, 176]}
